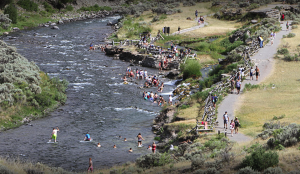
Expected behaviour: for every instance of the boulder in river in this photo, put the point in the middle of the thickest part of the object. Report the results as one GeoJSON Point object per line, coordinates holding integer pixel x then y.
{"type": "Point", "coordinates": [16, 29]}
{"type": "Point", "coordinates": [60, 21]}
{"type": "Point", "coordinates": [54, 27]}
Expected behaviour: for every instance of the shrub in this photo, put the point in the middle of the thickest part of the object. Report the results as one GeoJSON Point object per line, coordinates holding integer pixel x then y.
{"type": "Point", "coordinates": [95, 7]}
{"type": "Point", "coordinates": [5, 170]}
{"type": "Point", "coordinates": [48, 7]}
{"type": "Point", "coordinates": [283, 51]}
{"type": "Point", "coordinates": [288, 57]}
{"type": "Point", "coordinates": [163, 16]}
{"type": "Point", "coordinates": [290, 35]}
{"type": "Point", "coordinates": [152, 160]}
{"type": "Point", "coordinates": [249, 87]}
{"type": "Point", "coordinates": [260, 159]}
{"type": "Point", "coordinates": [279, 117]}
{"type": "Point", "coordinates": [11, 10]}
{"type": "Point", "coordinates": [28, 5]}
{"type": "Point", "coordinates": [192, 69]}
{"type": "Point", "coordinates": [294, 27]}
{"type": "Point", "coordinates": [253, 6]}
{"type": "Point", "coordinates": [184, 106]}
{"type": "Point", "coordinates": [197, 161]}
{"type": "Point", "coordinates": [69, 8]}
{"type": "Point", "coordinates": [155, 19]}
{"type": "Point", "coordinates": [5, 21]}
{"type": "Point", "coordinates": [273, 170]}
{"type": "Point", "coordinates": [247, 170]}
{"type": "Point", "coordinates": [212, 171]}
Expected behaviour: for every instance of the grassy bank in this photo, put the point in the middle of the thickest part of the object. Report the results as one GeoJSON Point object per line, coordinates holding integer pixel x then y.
{"type": "Point", "coordinates": [32, 106]}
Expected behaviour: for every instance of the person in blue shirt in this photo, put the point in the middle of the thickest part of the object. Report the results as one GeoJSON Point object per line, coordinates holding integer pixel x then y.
{"type": "Point", "coordinates": [87, 137]}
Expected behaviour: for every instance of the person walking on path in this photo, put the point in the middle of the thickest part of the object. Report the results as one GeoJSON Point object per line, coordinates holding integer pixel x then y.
{"type": "Point", "coordinates": [232, 85]}
{"type": "Point", "coordinates": [226, 119]}
{"type": "Point", "coordinates": [178, 29]}
{"type": "Point", "coordinates": [257, 73]}
{"type": "Point", "coordinates": [236, 125]}
{"type": "Point", "coordinates": [251, 73]}
{"type": "Point", "coordinates": [196, 14]}
{"type": "Point", "coordinates": [232, 127]}
{"type": "Point", "coordinates": [261, 42]}
{"type": "Point", "coordinates": [287, 25]}
{"type": "Point", "coordinates": [214, 100]}
{"type": "Point", "coordinates": [238, 86]}
{"type": "Point", "coordinates": [54, 134]}
{"type": "Point", "coordinates": [90, 169]}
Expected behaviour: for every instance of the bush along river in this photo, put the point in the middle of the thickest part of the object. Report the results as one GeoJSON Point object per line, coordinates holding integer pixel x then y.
{"type": "Point", "coordinates": [98, 102]}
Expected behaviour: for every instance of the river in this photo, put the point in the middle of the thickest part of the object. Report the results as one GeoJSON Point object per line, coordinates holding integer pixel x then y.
{"type": "Point", "coordinates": [98, 102]}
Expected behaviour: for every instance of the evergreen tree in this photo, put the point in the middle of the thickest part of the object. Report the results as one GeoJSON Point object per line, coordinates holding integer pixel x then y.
{"type": "Point", "coordinates": [11, 10]}
{"type": "Point", "coordinates": [3, 3]}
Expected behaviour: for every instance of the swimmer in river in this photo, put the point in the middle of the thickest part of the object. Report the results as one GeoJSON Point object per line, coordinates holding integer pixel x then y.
{"type": "Point", "coordinates": [54, 134]}
{"type": "Point", "coordinates": [149, 147]}
{"type": "Point", "coordinates": [160, 89]}
{"type": "Point", "coordinates": [124, 79]}
{"type": "Point", "coordinates": [90, 169]}
{"type": "Point", "coordinates": [115, 146]}
{"type": "Point", "coordinates": [140, 138]}
{"type": "Point", "coordinates": [98, 145]}
{"type": "Point", "coordinates": [87, 137]}
{"type": "Point", "coordinates": [125, 139]}
{"type": "Point", "coordinates": [130, 150]}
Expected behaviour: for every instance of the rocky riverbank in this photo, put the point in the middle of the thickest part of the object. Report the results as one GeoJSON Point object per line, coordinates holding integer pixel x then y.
{"type": "Point", "coordinates": [145, 60]}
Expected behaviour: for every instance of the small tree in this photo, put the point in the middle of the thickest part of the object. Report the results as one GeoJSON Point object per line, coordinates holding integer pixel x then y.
{"type": "Point", "coordinates": [11, 10]}
{"type": "Point", "coordinates": [192, 69]}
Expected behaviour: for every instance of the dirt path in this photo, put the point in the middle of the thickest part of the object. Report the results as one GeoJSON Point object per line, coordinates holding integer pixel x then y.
{"type": "Point", "coordinates": [192, 28]}
{"type": "Point", "coordinates": [264, 60]}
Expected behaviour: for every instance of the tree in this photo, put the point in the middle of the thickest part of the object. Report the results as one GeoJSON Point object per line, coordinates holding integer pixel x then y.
{"type": "Point", "coordinates": [3, 3]}
{"type": "Point", "coordinates": [11, 10]}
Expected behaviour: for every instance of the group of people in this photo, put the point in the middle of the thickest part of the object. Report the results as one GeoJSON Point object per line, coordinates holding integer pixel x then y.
{"type": "Point", "coordinates": [157, 99]}
{"type": "Point", "coordinates": [201, 18]}
{"type": "Point", "coordinates": [233, 125]}
{"type": "Point", "coordinates": [102, 48]}
{"type": "Point", "coordinates": [236, 82]}
{"type": "Point", "coordinates": [88, 138]}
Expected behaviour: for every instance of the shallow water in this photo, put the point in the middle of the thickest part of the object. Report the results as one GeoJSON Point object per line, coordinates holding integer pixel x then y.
{"type": "Point", "coordinates": [98, 102]}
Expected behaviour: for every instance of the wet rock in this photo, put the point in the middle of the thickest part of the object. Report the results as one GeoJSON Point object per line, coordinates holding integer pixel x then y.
{"type": "Point", "coordinates": [26, 120]}
{"type": "Point", "coordinates": [16, 29]}
{"type": "Point", "coordinates": [55, 27]}
{"type": "Point", "coordinates": [60, 22]}
{"type": "Point", "coordinates": [53, 24]}
{"type": "Point", "coordinates": [5, 33]}
{"type": "Point", "coordinates": [173, 74]}
{"type": "Point", "coordinates": [254, 21]}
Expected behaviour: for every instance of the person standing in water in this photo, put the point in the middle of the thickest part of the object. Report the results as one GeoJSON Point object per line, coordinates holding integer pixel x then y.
{"type": "Point", "coordinates": [90, 169]}
{"type": "Point", "coordinates": [140, 138]}
{"type": "Point", "coordinates": [153, 147]}
{"type": "Point", "coordinates": [54, 134]}
{"type": "Point", "coordinates": [87, 137]}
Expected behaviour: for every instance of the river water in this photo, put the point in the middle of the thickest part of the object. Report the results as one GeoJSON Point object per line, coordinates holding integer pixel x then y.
{"type": "Point", "coordinates": [98, 102]}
